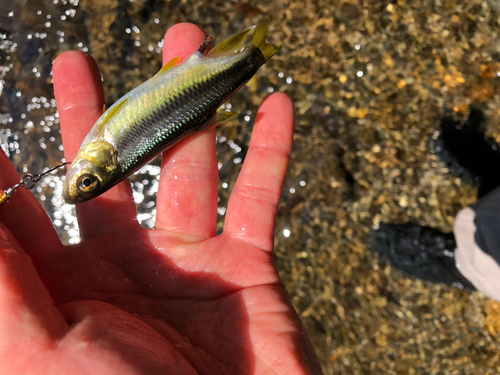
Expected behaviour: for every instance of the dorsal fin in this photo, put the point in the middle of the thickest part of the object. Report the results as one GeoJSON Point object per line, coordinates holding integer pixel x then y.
{"type": "Point", "coordinates": [169, 65]}
{"type": "Point", "coordinates": [205, 44]}
{"type": "Point", "coordinates": [232, 44]}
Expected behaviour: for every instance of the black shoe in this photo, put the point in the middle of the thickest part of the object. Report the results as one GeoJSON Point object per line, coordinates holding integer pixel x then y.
{"type": "Point", "coordinates": [422, 252]}
{"type": "Point", "coordinates": [468, 153]}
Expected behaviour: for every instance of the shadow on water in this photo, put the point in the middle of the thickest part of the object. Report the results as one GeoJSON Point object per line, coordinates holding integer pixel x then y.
{"type": "Point", "coordinates": [468, 153]}
{"type": "Point", "coordinates": [427, 253]}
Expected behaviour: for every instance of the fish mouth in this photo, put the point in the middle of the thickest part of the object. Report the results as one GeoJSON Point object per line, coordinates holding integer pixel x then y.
{"type": "Point", "coordinates": [72, 198]}
{"type": "Point", "coordinates": [69, 192]}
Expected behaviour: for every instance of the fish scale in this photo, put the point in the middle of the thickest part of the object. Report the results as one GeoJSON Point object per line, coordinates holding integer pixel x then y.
{"type": "Point", "coordinates": [176, 102]}
{"type": "Point", "coordinates": [170, 119]}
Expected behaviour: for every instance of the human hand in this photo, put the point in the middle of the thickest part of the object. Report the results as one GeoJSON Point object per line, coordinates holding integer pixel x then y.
{"type": "Point", "coordinates": [176, 299]}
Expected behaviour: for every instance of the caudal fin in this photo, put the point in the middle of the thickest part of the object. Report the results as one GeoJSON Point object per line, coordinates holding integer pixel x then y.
{"type": "Point", "coordinates": [259, 40]}
{"type": "Point", "coordinates": [235, 43]}
{"type": "Point", "coordinates": [232, 44]}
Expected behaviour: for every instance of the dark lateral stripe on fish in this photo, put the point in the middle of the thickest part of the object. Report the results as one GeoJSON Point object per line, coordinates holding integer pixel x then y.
{"type": "Point", "coordinates": [201, 99]}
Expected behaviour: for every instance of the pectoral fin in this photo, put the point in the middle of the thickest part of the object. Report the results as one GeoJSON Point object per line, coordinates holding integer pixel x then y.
{"type": "Point", "coordinates": [106, 116]}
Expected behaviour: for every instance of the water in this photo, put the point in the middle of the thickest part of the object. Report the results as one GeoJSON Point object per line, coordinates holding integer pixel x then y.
{"type": "Point", "coordinates": [31, 37]}
{"type": "Point", "coordinates": [371, 82]}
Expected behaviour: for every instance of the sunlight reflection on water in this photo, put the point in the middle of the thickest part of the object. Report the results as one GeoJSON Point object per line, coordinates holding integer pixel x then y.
{"type": "Point", "coordinates": [29, 122]}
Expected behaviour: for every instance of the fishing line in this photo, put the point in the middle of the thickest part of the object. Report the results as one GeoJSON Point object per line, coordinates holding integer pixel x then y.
{"type": "Point", "coordinates": [27, 181]}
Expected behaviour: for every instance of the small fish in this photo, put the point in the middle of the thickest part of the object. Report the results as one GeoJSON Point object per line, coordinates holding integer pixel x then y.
{"type": "Point", "coordinates": [176, 102]}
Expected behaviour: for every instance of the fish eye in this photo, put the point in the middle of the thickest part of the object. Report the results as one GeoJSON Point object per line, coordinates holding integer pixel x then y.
{"type": "Point", "coordinates": [87, 183]}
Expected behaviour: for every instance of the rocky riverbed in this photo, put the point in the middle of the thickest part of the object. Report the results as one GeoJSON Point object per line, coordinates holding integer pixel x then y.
{"type": "Point", "coordinates": [372, 81]}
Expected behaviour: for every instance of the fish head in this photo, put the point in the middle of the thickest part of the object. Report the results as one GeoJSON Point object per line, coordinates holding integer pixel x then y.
{"type": "Point", "coordinates": [93, 171]}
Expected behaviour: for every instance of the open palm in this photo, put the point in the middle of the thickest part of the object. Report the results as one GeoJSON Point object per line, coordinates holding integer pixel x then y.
{"type": "Point", "coordinates": [176, 299]}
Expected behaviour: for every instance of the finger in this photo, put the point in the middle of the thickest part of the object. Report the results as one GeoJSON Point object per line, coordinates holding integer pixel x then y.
{"type": "Point", "coordinates": [253, 204]}
{"type": "Point", "coordinates": [187, 194]}
{"type": "Point", "coordinates": [24, 216]}
{"type": "Point", "coordinates": [80, 99]}
{"type": "Point", "coordinates": [29, 321]}
{"type": "Point", "coordinates": [182, 40]}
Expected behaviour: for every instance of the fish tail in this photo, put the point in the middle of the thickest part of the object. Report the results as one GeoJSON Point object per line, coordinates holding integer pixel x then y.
{"type": "Point", "coordinates": [235, 43]}
{"type": "Point", "coordinates": [259, 40]}
{"type": "Point", "coordinates": [231, 45]}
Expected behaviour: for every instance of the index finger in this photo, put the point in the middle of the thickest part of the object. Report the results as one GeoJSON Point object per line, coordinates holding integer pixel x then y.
{"type": "Point", "coordinates": [79, 96]}
{"type": "Point", "coordinates": [80, 99]}
{"type": "Point", "coordinates": [182, 40]}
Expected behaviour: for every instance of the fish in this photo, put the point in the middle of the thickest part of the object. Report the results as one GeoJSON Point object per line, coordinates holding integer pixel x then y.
{"type": "Point", "coordinates": [179, 100]}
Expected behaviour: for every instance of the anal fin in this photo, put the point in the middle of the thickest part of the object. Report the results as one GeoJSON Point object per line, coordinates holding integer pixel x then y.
{"type": "Point", "coordinates": [217, 119]}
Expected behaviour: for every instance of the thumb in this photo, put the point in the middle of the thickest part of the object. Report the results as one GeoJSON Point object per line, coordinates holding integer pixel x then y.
{"type": "Point", "coordinates": [28, 317]}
